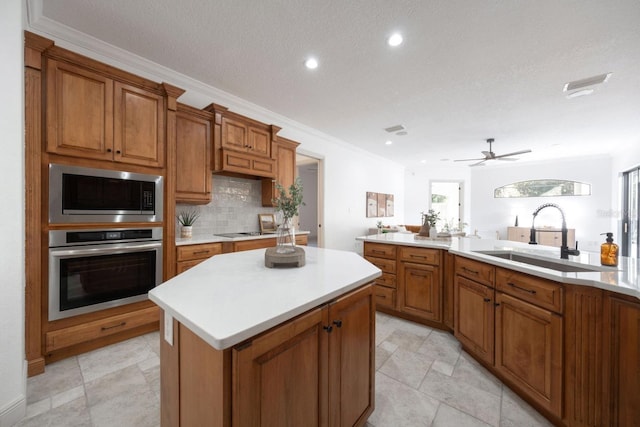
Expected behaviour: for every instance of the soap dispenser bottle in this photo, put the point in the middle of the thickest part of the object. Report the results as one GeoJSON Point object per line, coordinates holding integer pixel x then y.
{"type": "Point", "coordinates": [609, 251]}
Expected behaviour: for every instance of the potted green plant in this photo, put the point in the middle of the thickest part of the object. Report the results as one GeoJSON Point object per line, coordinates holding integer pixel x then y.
{"type": "Point", "coordinates": [288, 205]}
{"type": "Point", "coordinates": [187, 218]}
{"type": "Point", "coordinates": [429, 221]}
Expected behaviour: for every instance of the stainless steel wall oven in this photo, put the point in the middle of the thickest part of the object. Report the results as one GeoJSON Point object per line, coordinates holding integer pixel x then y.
{"type": "Point", "coordinates": [81, 195]}
{"type": "Point", "coordinates": [90, 270]}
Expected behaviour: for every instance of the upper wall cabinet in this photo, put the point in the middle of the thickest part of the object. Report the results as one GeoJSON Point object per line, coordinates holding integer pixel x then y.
{"type": "Point", "coordinates": [193, 151]}
{"type": "Point", "coordinates": [242, 145]}
{"type": "Point", "coordinates": [92, 116]}
{"type": "Point", "coordinates": [285, 155]}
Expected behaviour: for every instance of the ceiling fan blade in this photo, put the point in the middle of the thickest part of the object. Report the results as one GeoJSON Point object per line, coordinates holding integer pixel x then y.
{"type": "Point", "coordinates": [480, 163]}
{"type": "Point", "coordinates": [507, 158]}
{"type": "Point", "coordinates": [487, 154]}
{"type": "Point", "coordinates": [468, 160]}
{"type": "Point", "coordinates": [515, 153]}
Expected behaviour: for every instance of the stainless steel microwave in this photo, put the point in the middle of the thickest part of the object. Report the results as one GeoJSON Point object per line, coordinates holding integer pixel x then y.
{"type": "Point", "coordinates": [84, 195]}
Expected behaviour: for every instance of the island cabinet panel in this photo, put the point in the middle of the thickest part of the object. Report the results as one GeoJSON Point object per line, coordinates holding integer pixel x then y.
{"type": "Point", "coordinates": [544, 293]}
{"type": "Point", "coordinates": [528, 350]}
{"type": "Point", "coordinates": [314, 370]}
{"type": "Point", "coordinates": [280, 378]}
{"type": "Point", "coordinates": [419, 292]}
{"type": "Point", "coordinates": [448, 292]}
{"type": "Point", "coordinates": [193, 151]}
{"type": "Point", "coordinates": [584, 357]}
{"type": "Point", "coordinates": [624, 364]}
{"type": "Point", "coordinates": [474, 317]}
{"type": "Point", "coordinates": [477, 271]}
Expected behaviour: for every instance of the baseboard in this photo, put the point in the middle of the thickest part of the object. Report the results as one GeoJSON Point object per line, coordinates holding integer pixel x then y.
{"type": "Point", "coordinates": [13, 412]}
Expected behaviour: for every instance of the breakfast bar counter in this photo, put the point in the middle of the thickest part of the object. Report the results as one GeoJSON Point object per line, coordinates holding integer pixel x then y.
{"type": "Point", "coordinates": [243, 344]}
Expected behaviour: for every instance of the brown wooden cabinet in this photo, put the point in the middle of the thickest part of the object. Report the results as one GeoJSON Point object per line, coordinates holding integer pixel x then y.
{"type": "Point", "coordinates": [193, 154]}
{"type": "Point", "coordinates": [474, 318]}
{"type": "Point", "coordinates": [513, 322]}
{"type": "Point", "coordinates": [624, 361]}
{"type": "Point", "coordinates": [242, 145]}
{"type": "Point", "coordinates": [92, 116]}
{"type": "Point", "coordinates": [528, 350]}
{"type": "Point", "coordinates": [420, 283]}
{"type": "Point", "coordinates": [384, 257]}
{"type": "Point", "coordinates": [314, 370]}
{"type": "Point", "coordinates": [285, 155]}
{"type": "Point", "coordinates": [188, 256]}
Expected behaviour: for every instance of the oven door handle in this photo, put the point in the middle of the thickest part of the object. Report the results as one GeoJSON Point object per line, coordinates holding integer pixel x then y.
{"type": "Point", "coordinates": [103, 249]}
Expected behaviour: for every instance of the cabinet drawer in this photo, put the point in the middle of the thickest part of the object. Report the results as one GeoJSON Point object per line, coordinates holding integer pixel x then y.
{"type": "Point", "coordinates": [185, 265]}
{"type": "Point", "coordinates": [387, 279]}
{"type": "Point", "coordinates": [544, 293]}
{"type": "Point", "coordinates": [100, 328]}
{"type": "Point", "coordinates": [476, 270]}
{"type": "Point", "coordinates": [247, 245]}
{"type": "Point", "coordinates": [192, 252]}
{"type": "Point", "coordinates": [379, 250]}
{"type": "Point", "coordinates": [386, 265]}
{"type": "Point", "coordinates": [420, 255]}
{"type": "Point", "coordinates": [385, 297]}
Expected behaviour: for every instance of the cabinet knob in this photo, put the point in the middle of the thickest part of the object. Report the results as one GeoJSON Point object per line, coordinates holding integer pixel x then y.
{"type": "Point", "coordinates": [487, 300]}
{"type": "Point", "coordinates": [108, 150]}
{"type": "Point", "coordinates": [117, 151]}
{"type": "Point", "coordinates": [338, 323]}
{"type": "Point", "coordinates": [328, 328]}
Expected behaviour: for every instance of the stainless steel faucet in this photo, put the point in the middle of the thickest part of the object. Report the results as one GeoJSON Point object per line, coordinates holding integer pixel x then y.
{"type": "Point", "coordinates": [564, 249]}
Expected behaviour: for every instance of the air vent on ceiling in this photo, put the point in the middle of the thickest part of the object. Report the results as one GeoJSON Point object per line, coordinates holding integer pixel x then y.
{"type": "Point", "coordinates": [589, 81]}
{"type": "Point", "coordinates": [395, 128]}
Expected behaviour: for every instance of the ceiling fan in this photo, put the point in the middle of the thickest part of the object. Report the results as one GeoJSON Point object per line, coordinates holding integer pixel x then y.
{"type": "Point", "coordinates": [490, 155]}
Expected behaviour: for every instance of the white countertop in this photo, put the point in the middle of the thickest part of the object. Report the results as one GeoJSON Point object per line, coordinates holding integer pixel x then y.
{"type": "Point", "coordinates": [232, 297]}
{"type": "Point", "coordinates": [623, 279]}
{"type": "Point", "coordinates": [211, 238]}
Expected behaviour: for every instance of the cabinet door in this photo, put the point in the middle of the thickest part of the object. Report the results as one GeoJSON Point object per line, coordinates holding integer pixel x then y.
{"type": "Point", "coordinates": [279, 379]}
{"type": "Point", "coordinates": [234, 134]}
{"type": "Point", "coordinates": [193, 175]}
{"type": "Point", "coordinates": [351, 358]}
{"type": "Point", "coordinates": [285, 155]}
{"type": "Point", "coordinates": [79, 112]}
{"type": "Point", "coordinates": [138, 126]}
{"type": "Point", "coordinates": [625, 362]}
{"type": "Point", "coordinates": [419, 290]}
{"type": "Point", "coordinates": [519, 234]}
{"type": "Point", "coordinates": [529, 350]}
{"type": "Point", "coordinates": [259, 141]}
{"type": "Point", "coordinates": [474, 318]}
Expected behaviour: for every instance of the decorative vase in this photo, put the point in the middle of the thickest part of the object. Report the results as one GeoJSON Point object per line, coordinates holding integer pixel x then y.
{"type": "Point", "coordinates": [433, 232]}
{"type": "Point", "coordinates": [186, 231]}
{"type": "Point", "coordinates": [424, 230]}
{"type": "Point", "coordinates": [285, 237]}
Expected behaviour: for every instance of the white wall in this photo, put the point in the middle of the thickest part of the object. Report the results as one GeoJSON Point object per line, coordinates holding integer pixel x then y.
{"type": "Point", "coordinates": [12, 371]}
{"type": "Point", "coordinates": [418, 189]}
{"type": "Point", "coordinates": [308, 218]}
{"type": "Point", "coordinates": [587, 214]}
{"type": "Point", "coordinates": [624, 160]}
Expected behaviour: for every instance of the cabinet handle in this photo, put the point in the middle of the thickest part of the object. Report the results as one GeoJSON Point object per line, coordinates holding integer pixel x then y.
{"type": "Point", "coordinates": [381, 296]}
{"type": "Point", "coordinates": [468, 270]}
{"type": "Point", "coordinates": [487, 300]}
{"type": "Point", "coordinates": [328, 328]}
{"type": "Point", "coordinates": [375, 251]}
{"type": "Point", "coordinates": [106, 328]}
{"type": "Point", "coordinates": [108, 150]}
{"type": "Point", "coordinates": [201, 252]}
{"type": "Point", "coordinates": [338, 323]}
{"type": "Point", "coordinates": [418, 275]}
{"type": "Point", "coordinates": [497, 304]}
{"type": "Point", "coordinates": [418, 256]}
{"type": "Point", "coordinates": [513, 285]}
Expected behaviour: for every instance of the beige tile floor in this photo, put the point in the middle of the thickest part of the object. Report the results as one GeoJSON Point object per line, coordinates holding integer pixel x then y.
{"type": "Point", "coordinates": [422, 379]}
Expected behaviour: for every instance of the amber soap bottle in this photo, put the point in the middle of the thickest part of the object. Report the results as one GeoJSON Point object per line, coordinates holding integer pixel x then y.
{"type": "Point", "coordinates": [609, 251]}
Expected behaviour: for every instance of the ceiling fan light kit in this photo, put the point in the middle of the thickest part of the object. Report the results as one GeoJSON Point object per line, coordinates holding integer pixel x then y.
{"type": "Point", "coordinates": [490, 155]}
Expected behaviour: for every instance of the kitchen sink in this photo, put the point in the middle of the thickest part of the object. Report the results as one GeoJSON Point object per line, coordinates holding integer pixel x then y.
{"type": "Point", "coordinates": [564, 266]}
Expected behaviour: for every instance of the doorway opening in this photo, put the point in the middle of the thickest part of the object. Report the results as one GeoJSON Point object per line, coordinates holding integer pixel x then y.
{"type": "Point", "coordinates": [310, 218]}
{"type": "Point", "coordinates": [447, 199]}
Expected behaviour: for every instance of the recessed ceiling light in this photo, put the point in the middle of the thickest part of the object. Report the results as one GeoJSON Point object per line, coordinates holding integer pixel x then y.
{"type": "Point", "coordinates": [388, 142]}
{"type": "Point", "coordinates": [311, 63]}
{"type": "Point", "coordinates": [395, 39]}
{"type": "Point", "coordinates": [423, 161]}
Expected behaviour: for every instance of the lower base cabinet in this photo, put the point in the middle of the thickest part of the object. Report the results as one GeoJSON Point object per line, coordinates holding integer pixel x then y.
{"type": "Point", "coordinates": [315, 370]}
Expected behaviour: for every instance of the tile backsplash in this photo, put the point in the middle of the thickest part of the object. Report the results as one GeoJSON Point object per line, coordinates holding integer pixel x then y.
{"type": "Point", "coordinates": [235, 205]}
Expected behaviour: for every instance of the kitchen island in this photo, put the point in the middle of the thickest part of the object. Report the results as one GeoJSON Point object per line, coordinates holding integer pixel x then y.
{"type": "Point", "coordinates": [563, 334]}
{"type": "Point", "coordinates": [243, 344]}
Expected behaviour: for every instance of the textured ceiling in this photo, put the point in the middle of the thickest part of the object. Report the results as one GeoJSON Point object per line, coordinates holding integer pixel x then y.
{"type": "Point", "coordinates": [467, 70]}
